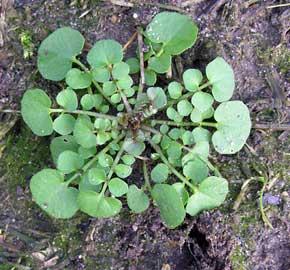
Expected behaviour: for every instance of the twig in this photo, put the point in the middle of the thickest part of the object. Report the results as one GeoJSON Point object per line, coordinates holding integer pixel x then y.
{"type": "Point", "coordinates": [125, 101]}
{"type": "Point", "coordinates": [273, 127]}
{"type": "Point", "coordinates": [10, 111]}
{"type": "Point", "coordinates": [191, 2]}
{"type": "Point", "coordinates": [165, 6]}
{"type": "Point", "coordinates": [94, 114]}
{"type": "Point", "coordinates": [122, 3]}
{"type": "Point", "coordinates": [85, 13]}
{"type": "Point", "coordinates": [264, 216]}
{"type": "Point", "coordinates": [280, 5]}
{"type": "Point", "coordinates": [146, 176]}
{"type": "Point", "coordinates": [242, 193]}
{"type": "Point", "coordinates": [150, 129]}
{"type": "Point", "coordinates": [141, 56]}
{"type": "Point", "coordinates": [129, 42]}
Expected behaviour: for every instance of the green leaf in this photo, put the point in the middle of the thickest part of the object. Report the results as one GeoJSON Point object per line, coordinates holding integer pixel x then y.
{"type": "Point", "coordinates": [233, 127]}
{"type": "Point", "coordinates": [170, 205]}
{"type": "Point", "coordinates": [105, 53]}
{"type": "Point", "coordinates": [64, 124]}
{"type": "Point", "coordinates": [109, 88]}
{"type": "Point", "coordinates": [105, 160]}
{"type": "Point", "coordinates": [35, 110]}
{"type": "Point", "coordinates": [176, 32]}
{"type": "Point", "coordinates": [164, 129]}
{"type": "Point", "coordinates": [175, 90]}
{"type": "Point", "coordinates": [157, 97]}
{"type": "Point", "coordinates": [156, 138]}
{"type": "Point", "coordinates": [175, 133]}
{"type": "Point", "coordinates": [221, 75]}
{"type": "Point", "coordinates": [118, 187]}
{"type": "Point", "coordinates": [208, 113]}
{"type": "Point", "coordinates": [96, 176]}
{"type": "Point", "coordinates": [192, 79]}
{"type": "Point", "coordinates": [160, 64]}
{"type": "Point", "coordinates": [120, 70]}
{"type": "Point", "coordinates": [123, 170]}
{"type": "Point", "coordinates": [196, 170]}
{"type": "Point", "coordinates": [133, 64]}
{"type": "Point", "coordinates": [116, 98]}
{"type": "Point", "coordinates": [85, 185]}
{"type": "Point", "coordinates": [200, 150]}
{"type": "Point", "coordinates": [200, 134]}
{"type": "Point", "coordinates": [202, 101]}
{"type": "Point", "coordinates": [87, 152]}
{"type": "Point", "coordinates": [196, 116]}
{"type": "Point", "coordinates": [187, 138]}
{"type": "Point", "coordinates": [133, 147]}
{"type": "Point", "coordinates": [165, 142]}
{"type": "Point", "coordinates": [125, 82]}
{"type": "Point", "coordinates": [67, 99]}
{"type": "Point", "coordinates": [69, 161]}
{"type": "Point", "coordinates": [102, 124]}
{"type": "Point", "coordinates": [83, 132]}
{"type": "Point", "coordinates": [174, 150]}
{"type": "Point", "coordinates": [160, 173]}
{"type": "Point", "coordinates": [129, 92]}
{"type": "Point", "coordinates": [61, 144]}
{"type": "Point", "coordinates": [137, 200]}
{"type": "Point", "coordinates": [101, 74]}
{"type": "Point", "coordinates": [128, 159]}
{"type": "Point", "coordinates": [88, 101]}
{"type": "Point", "coordinates": [172, 114]}
{"type": "Point", "coordinates": [103, 137]}
{"type": "Point", "coordinates": [51, 193]}
{"type": "Point", "coordinates": [179, 187]}
{"type": "Point", "coordinates": [78, 79]}
{"type": "Point", "coordinates": [184, 107]}
{"type": "Point", "coordinates": [56, 52]}
{"type": "Point", "coordinates": [211, 193]}
{"type": "Point", "coordinates": [120, 107]}
{"type": "Point", "coordinates": [150, 77]}
{"type": "Point", "coordinates": [104, 108]}
{"type": "Point", "coordinates": [97, 205]}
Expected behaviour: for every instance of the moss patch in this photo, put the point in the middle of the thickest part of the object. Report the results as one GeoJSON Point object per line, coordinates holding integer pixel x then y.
{"type": "Point", "coordinates": [24, 155]}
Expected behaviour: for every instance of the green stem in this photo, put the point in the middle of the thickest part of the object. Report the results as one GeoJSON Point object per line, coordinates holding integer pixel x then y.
{"type": "Point", "coordinates": [187, 95]}
{"type": "Point", "coordinates": [183, 124]}
{"type": "Point", "coordinates": [264, 216]}
{"type": "Point", "coordinates": [173, 170]}
{"type": "Point", "coordinates": [125, 101]}
{"type": "Point", "coordinates": [95, 114]}
{"type": "Point", "coordinates": [76, 175]}
{"type": "Point", "coordinates": [160, 52]}
{"type": "Point", "coordinates": [80, 64]}
{"type": "Point", "coordinates": [146, 176]}
{"type": "Point", "coordinates": [100, 90]}
{"type": "Point", "coordinates": [116, 161]}
{"type": "Point", "coordinates": [10, 111]}
{"type": "Point", "coordinates": [96, 84]}
{"type": "Point", "coordinates": [207, 162]}
{"type": "Point", "coordinates": [150, 129]}
{"type": "Point", "coordinates": [104, 150]}
{"type": "Point", "coordinates": [141, 61]}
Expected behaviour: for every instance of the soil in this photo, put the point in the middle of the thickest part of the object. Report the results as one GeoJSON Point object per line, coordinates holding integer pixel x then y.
{"type": "Point", "coordinates": [254, 39]}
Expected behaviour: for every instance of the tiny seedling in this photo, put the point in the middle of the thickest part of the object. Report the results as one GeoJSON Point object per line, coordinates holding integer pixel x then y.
{"type": "Point", "coordinates": [106, 126]}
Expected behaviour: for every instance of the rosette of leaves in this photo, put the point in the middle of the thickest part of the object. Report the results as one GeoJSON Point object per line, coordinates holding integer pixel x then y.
{"type": "Point", "coordinates": [103, 124]}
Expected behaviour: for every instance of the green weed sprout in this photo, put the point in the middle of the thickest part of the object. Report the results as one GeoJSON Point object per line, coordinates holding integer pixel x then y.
{"type": "Point", "coordinates": [105, 123]}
